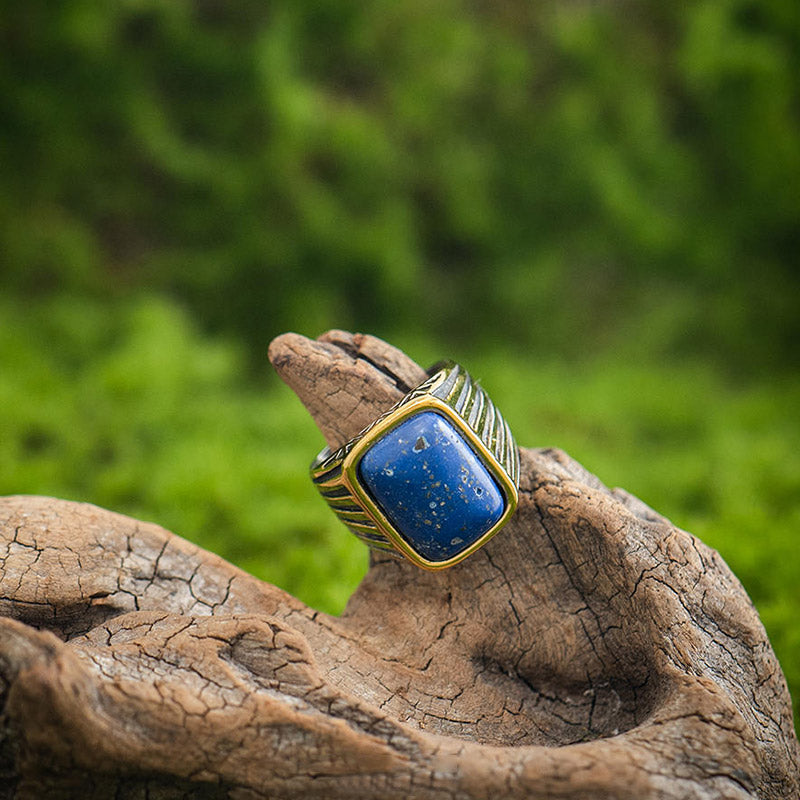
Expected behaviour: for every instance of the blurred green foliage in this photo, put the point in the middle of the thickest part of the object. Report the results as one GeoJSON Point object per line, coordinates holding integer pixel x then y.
{"type": "Point", "coordinates": [129, 408]}
{"type": "Point", "coordinates": [604, 194]}
{"type": "Point", "coordinates": [579, 176]}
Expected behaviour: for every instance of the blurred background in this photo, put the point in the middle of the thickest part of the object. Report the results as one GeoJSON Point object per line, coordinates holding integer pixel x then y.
{"type": "Point", "coordinates": [596, 206]}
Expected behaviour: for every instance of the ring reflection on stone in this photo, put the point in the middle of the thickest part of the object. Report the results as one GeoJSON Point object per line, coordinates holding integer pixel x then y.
{"type": "Point", "coordinates": [432, 479]}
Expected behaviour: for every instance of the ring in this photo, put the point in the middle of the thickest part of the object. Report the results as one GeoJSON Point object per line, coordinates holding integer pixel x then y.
{"type": "Point", "coordinates": [432, 479]}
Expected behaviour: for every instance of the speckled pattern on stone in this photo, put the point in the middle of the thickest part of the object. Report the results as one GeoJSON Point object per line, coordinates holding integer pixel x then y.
{"type": "Point", "coordinates": [431, 486]}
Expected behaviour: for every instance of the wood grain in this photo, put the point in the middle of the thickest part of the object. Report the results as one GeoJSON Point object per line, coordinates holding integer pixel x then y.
{"type": "Point", "coordinates": [590, 650]}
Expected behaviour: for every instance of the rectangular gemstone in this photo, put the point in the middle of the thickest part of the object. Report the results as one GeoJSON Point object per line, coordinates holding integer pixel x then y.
{"type": "Point", "coordinates": [431, 485]}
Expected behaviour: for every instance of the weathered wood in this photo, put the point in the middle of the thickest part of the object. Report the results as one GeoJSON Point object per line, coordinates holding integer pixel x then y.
{"type": "Point", "coordinates": [590, 650]}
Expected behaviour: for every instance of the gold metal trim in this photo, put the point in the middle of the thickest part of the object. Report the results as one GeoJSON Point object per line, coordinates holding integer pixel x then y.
{"type": "Point", "coordinates": [334, 471]}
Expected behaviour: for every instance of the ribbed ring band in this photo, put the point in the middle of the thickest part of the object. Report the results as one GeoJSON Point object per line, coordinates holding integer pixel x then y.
{"type": "Point", "coordinates": [432, 479]}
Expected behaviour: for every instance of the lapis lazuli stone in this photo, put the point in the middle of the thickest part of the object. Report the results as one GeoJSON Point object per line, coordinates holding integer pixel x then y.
{"type": "Point", "coordinates": [431, 486]}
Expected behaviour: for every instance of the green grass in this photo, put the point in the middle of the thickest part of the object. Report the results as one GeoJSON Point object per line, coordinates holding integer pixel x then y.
{"type": "Point", "coordinates": [129, 407]}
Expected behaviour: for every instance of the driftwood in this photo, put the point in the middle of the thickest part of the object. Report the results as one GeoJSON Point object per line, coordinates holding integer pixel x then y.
{"type": "Point", "coordinates": [590, 650]}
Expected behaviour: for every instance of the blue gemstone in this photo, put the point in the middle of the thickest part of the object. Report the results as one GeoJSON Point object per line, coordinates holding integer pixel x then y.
{"type": "Point", "coordinates": [431, 486]}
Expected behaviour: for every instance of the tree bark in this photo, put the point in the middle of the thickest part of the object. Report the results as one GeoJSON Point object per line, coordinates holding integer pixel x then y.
{"type": "Point", "coordinates": [590, 650]}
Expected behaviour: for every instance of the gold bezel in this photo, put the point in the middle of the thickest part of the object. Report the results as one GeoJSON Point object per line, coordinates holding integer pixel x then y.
{"type": "Point", "coordinates": [488, 459]}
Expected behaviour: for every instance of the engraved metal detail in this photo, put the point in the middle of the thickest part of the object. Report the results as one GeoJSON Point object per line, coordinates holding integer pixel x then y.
{"type": "Point", "coordinates": [450, 384]}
